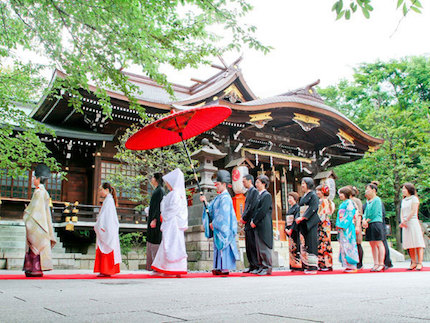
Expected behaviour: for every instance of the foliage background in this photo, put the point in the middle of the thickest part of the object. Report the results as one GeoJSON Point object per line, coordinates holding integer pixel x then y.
{"type": "Point", "coordinates": [389, 100]}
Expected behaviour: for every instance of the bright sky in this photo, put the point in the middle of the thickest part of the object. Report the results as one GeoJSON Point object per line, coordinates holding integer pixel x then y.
{"type": "Point", "coordinates": [309, 44]}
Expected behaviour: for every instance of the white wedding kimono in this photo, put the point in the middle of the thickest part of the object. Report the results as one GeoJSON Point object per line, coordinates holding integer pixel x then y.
{"type": "Point", "coordinates": [107, 229]}
{"type": "Point", "coordinates": [171, 257]}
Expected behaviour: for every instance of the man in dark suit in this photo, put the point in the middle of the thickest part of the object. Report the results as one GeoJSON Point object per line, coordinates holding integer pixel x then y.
{"type": "Point", "coordinates": [153, 237]}
{"type": "Point", "coordinates": [251, 203]}
{"type": "Point", "coordinates": [263, 225]}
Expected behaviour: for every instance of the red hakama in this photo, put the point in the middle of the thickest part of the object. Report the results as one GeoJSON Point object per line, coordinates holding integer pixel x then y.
{"type": "Point", "coordinates": [104, 263]}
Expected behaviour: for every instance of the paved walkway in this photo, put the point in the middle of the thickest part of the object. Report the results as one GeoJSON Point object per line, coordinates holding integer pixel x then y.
{"type": "Point", "coordinates": [379, 297]}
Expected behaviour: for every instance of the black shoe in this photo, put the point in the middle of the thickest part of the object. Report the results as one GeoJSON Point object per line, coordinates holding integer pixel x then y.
{"type": "Point", "coordinates": [254, 271]}
{"type": "Point", "coordinates": [224, 273]}
{"type": "Point", "coordinates": [247, 270]}
{"type": "Point", "coordinates": [216, 272]}
{"type": "Point", "coordinates": [33, 274]}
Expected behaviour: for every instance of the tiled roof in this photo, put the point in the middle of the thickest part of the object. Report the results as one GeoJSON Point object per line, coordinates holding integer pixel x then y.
{"type": "Point", "coordinates": [154, 93]}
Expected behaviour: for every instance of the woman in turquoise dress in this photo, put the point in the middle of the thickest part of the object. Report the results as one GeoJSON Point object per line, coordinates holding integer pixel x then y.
{"type": "Point", "coordinates": [348, 253]}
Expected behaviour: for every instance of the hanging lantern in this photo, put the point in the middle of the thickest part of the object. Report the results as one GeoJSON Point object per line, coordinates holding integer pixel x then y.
{"type": "Point", "coordinates": [271, 161]}
{"type": "Point", "coordinates": [256, 159]}
{"type": "Point", "coordinates": [237, 177]}
{"type": "Point", "coordinates": [290, 165]}
{"type": "Point", "coordinates": [301, 167]}
{"type": "Point", "coordinates": [70, 226]}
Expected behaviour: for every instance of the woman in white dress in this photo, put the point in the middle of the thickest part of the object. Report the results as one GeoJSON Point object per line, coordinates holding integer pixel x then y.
{"type": "Point", "coordinates": [412, 235]}
{"type": "Point", "coordinates": [171, 257]}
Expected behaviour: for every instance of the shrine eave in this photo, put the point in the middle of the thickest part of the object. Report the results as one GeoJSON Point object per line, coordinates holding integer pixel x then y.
{"type": "Point", "coordinates": [294, 104]}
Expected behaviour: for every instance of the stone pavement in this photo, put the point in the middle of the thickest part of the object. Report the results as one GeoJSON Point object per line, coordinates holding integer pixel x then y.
{"type": "Point", "coordinates": [376, 297]}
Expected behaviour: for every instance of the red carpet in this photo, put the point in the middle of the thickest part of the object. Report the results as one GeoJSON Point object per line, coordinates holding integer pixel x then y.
{"type": "Point", "coordinates": [197, 275]}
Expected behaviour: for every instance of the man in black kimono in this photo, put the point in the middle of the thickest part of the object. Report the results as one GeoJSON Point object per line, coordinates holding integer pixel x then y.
{"type": "Point", "coordinates": [247, 215]}
{"type": "Point", "coordinates": [308, 226]}
{"type": "Point", "coordinates": [153, 237]}
{"type": "Point", "coordinates": [263, 225]}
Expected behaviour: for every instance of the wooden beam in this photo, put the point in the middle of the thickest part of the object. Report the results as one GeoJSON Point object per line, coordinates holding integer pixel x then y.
{"type": "Point", "coordinates": [222, 68]}
{"type": "Point", "coordinates": [197, 80]}
{"type": "Point", "coordinates": [49, 112]}
{"type": "Point", "coordinates": [69, 115]}
{"type": "Point", "coordinates": [223, 61]}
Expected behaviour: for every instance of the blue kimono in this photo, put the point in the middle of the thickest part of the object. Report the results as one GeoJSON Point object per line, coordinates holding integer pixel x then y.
{"type": "Point", "coordinates": [224, 222]}
{"type": "Point", "coordinates": [348, 253]}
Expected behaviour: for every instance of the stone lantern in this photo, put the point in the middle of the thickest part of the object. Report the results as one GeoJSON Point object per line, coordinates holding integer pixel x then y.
{"type": "Point", "coordinates": [206, 156]}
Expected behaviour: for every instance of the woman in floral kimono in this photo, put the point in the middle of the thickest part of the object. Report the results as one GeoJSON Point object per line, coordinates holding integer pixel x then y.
{"type": "Point", "coordinates": [171, 256]}
{"type": "Point", "coordinates": [348, 254]}
{"type": "Point", "coordinates": [292, 231]}
{"type": "Point", "coordinates": [325, 210]}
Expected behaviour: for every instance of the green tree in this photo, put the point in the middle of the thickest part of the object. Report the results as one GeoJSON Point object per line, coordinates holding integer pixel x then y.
{"type": "Point", "coordinates": [147, 162]}
{"type": "Point", "coordinates": [390, 100]}
{"type": "Point", "coordinates": [93, 40]}
{"type": "Point", "coordinates": [345, 9]}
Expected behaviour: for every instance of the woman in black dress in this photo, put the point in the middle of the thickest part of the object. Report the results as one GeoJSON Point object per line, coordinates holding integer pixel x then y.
{"type": "Point", "coordinates": [291, 228]}
{"type": "Point", "coordinates": [308, 226]}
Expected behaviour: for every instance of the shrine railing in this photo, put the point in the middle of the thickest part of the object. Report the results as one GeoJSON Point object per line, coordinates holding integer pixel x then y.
{"type": "Point", "coordinates": [88, 213]}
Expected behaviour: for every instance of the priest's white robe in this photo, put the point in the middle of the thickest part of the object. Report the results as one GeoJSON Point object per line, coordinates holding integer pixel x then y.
{"type": "Point", "coordinates": [38, 227]}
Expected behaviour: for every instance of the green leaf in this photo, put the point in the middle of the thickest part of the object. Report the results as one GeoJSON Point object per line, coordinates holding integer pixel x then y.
{"type": "Point", "coordinates": [347, 14]}
{"type": "Point", "coordinates": [399, 3]}
{"type": "Point", "coordinates": [405, 9]}
{"type": "Point", "coordinates": [340, 14]}
{"type": "Point", "coordinates": [417, 4]}
{"type": "Point", "coordinates": [416, 9]}
{"type": "Point", "coordinates": [365, 13]}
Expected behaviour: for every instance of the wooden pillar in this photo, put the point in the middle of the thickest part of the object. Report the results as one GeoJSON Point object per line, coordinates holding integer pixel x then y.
{"type": "Point", "coordinates": [96, 176]}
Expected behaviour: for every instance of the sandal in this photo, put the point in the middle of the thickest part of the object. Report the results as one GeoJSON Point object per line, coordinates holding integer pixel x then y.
{"type": "Point", "coordinates": [380, 268]}
{"type": "Point", "coordinates": [412, 266]}
{"type": "Point", "coordinates": [374, 268]}
{"type": "Point", "coordinates": [419, 268]}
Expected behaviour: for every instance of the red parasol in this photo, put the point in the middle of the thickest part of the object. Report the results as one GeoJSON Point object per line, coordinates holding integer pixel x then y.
{"type": "Point", "coordinates": [178, 126]}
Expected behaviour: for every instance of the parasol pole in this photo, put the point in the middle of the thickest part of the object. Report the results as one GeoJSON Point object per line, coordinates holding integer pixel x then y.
{"type": "Point", "coordinates": [192, 167]}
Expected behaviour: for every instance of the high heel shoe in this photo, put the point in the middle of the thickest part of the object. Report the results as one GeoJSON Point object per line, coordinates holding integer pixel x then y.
{"type": "Point", "coordinates": [374, 268]}
{"type": "Point", "coordinates": [418, 267]}
{"type": "Point", "coordinates": [412, 266]}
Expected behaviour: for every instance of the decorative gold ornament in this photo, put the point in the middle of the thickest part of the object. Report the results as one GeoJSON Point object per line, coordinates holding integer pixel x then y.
{"type": "Point", "coordinates": [266, 116]}
{"type": "Point", "coordinates": [233, 94]}
{"type": "Point", "coordinates": [372, 149]}
{"type": "Point", "coordinates": [307, 123]}
{"type": "Point", "coordinates": [345, 138]}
